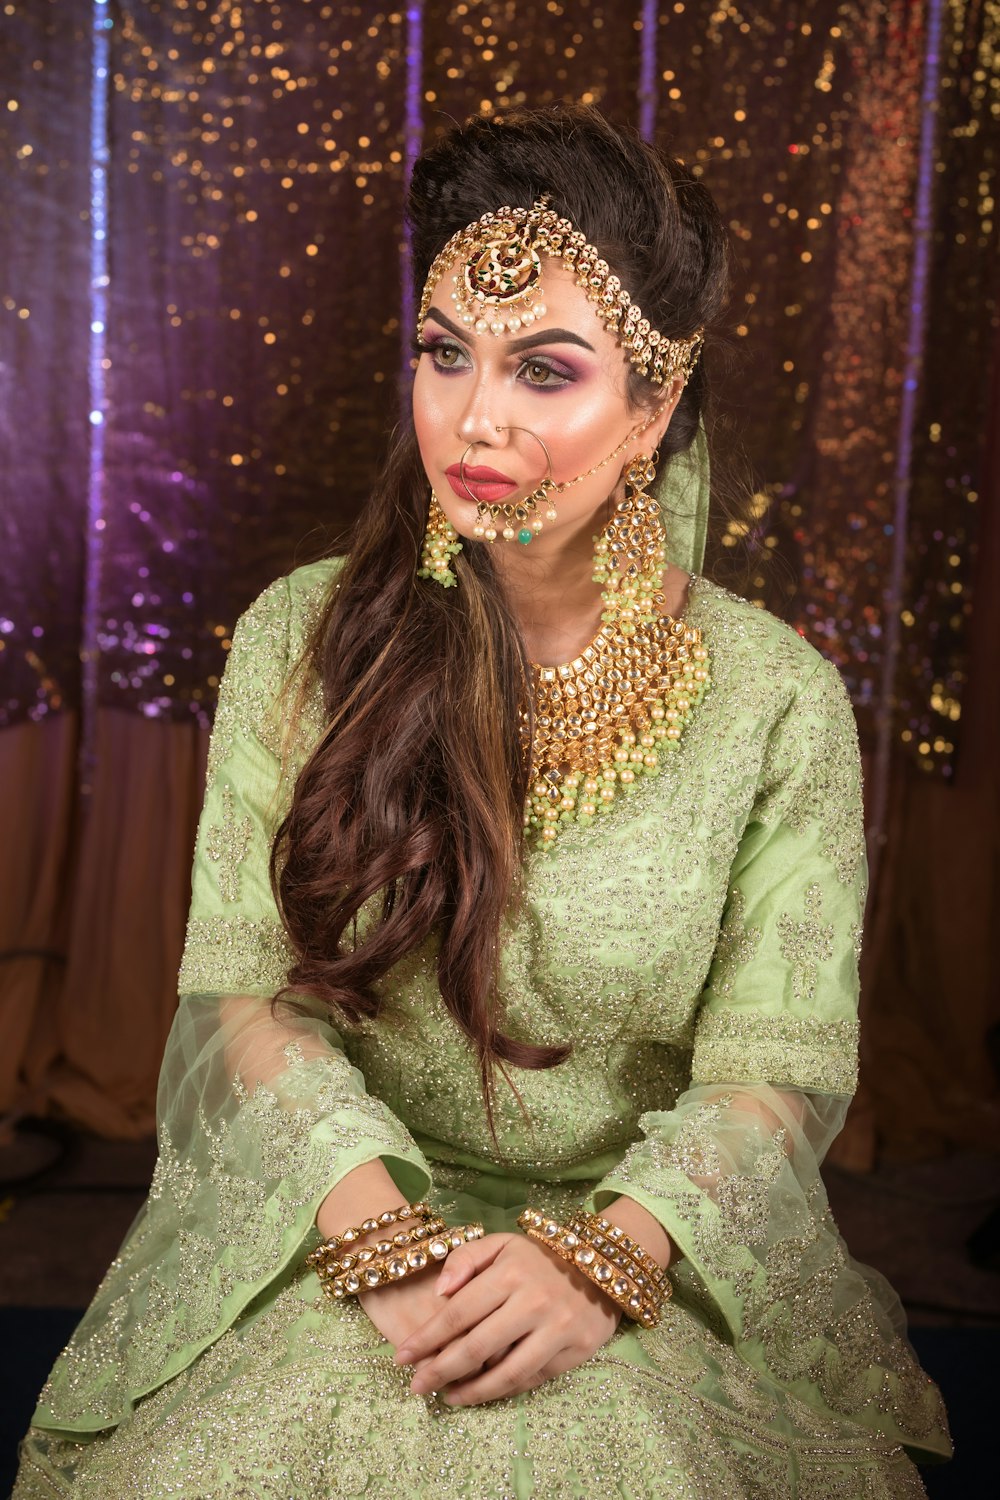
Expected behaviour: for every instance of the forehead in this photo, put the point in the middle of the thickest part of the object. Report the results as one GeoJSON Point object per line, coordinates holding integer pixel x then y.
{"type": "Point", "coordinates": [567, 304]}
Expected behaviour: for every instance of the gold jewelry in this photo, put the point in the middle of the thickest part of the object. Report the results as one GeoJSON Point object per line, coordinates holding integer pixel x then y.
{"type": "Point", "coordinates": [398, 1215]}
{"type": "Point", "coordinates": [523, 511]}
{"type": "Point", "coordinates": [631, 554]}
{"type": "Point", "coordinates": [498, 289]}
{"type": "Point", "coordinates": [642, 1305]}
{"type": "Point", "coordinates": [401, 1263]}
{"type": "Point", "coordinates": [441, 540]}
{"type": "Point", "coordinates": [612, 1241]}
{"type": "Point", "coordinates": [602, 720]}
{"type": "Point", "coordinates": [348, 1260]}
{"type": "Point", "coordinates": [441, 543]}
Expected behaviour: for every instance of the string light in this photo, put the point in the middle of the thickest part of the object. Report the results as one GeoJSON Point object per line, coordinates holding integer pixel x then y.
{"type": "Point", "coordinates": [101, 27]}
{"type": "Point", "coordinates": [260, 155]}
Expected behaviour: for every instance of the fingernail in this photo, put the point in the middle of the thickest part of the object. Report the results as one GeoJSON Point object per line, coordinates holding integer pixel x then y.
{"type": "Point", "coordinates": [403, 1356]}
{"type": "Point", "coordinates": [442, 1286]}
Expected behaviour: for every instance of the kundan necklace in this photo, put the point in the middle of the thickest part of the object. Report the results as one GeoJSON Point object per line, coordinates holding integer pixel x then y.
{"type": "Point", "coordinates": [603, 720]}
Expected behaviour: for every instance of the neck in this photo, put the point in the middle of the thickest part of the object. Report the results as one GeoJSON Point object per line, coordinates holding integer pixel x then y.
{"type": "Point", "coordinates": [551, 590]}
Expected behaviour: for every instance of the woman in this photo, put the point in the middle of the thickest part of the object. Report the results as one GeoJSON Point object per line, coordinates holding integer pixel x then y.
{"type": "Point", "coordinates": [554, 942]}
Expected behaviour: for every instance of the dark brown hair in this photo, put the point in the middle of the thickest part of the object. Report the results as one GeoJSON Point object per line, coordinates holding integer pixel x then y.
{"type": "Point", "coordinates": [411, 804]}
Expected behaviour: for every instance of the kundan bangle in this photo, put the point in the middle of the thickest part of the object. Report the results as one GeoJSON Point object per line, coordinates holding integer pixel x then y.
{"type": "Point", "coordinates": [400, 1263]}
{"type": "Point", "coordinates": [640, 1301]}
{"type": "Point", "coordinates": [612, 1241]}
{"type": "Point", "coordinates": [329, 1266]}
{"type": "Point", "coordinates": [369, 1226]}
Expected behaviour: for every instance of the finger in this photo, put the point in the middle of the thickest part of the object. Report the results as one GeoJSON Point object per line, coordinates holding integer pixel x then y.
{"type": "Point", "coordinates": [457, 1314]}
{"type": "Point", "coordinates": [526, 1366]}
{"type": "Point", "coordinates": [494, 1359]}
{"type": "Point", "coordinates": [466, 1355]}
{"type": "Point", "coordinates": [469, 1259]}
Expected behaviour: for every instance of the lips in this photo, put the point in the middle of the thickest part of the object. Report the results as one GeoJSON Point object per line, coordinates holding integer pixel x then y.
{"type": "Point", "coordinates": [479, 472]}
{"type": "Point", "coordinates": [484, 485]}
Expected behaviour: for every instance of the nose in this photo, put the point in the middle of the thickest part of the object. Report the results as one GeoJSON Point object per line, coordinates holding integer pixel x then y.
{"type": "Point", "coordinates": [480, 422]}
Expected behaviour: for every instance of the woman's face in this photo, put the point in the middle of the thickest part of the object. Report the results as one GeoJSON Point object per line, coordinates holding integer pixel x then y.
{"type": "Point", "coordinates": [564, 380]}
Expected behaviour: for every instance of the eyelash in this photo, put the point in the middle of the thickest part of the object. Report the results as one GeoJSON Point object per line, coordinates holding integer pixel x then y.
{"type": "Point", "coordinates": [419, 346]}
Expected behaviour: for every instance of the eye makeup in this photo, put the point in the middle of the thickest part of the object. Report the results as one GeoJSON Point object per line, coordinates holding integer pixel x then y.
{"type": "Point", "coordinates": [563, 376]}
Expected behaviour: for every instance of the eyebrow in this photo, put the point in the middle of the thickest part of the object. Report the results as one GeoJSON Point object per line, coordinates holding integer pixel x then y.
{"type": "Point", "coordinates": [551, 336]}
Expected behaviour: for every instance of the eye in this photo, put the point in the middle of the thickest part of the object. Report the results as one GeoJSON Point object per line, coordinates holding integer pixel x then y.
{"type": "Point", "coordinates": [534, 366]}
{"type": "Point", "coordinates": [436, 348]}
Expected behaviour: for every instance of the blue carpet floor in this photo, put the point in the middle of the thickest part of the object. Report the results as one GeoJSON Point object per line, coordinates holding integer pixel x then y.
{"type": "Point", "coordinates": [961, 1360]}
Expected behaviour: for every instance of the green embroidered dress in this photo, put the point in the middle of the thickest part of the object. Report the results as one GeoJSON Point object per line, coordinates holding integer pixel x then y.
{"type": "Point", "coordinates": [698, 945]}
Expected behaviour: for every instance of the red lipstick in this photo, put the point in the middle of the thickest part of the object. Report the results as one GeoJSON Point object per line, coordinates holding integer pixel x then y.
{"type": "Point", "coordinates": [478, 482]}
{"type": "Point", "coordinates": [479, 472]}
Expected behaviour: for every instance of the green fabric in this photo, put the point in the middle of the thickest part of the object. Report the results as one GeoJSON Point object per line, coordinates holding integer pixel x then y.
{"type": "Point", "coordinates": [682, 486]}
{"type": "Point", "coordinates": [698, 945]}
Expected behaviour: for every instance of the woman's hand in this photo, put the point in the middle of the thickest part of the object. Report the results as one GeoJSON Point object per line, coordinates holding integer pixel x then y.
{"type": "Point", "coordinates": [403, 1308]}
{"type": "Point", "coordinates": [514, 1316]}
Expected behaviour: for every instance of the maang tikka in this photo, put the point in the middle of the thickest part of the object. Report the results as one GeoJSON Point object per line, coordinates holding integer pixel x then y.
{"type": "Point", "coordinates": [498, 288]}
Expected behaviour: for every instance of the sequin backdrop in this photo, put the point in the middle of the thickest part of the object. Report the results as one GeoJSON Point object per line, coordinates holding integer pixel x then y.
{"type": "Point", "coordinates": [198, 400]}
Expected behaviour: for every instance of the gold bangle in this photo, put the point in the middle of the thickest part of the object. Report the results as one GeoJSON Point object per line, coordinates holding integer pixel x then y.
{"type": "Point", "coordinates": [620, 1247]}
{"type": "Point", "coordinates": [350, 1259]}
{"type": "Point", "coordinates": [607, 1278]}
{"type": "Point", "coordinates": [640, 1304]}
{"type": "Point", "coordinates": [401, 1263]}
{"type": "Point", "coordinates": [369, 1226]}
{"type": "Point", "coordinates": [655, 1290]}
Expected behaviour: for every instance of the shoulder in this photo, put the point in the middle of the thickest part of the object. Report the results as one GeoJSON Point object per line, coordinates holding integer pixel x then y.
{"type": "Point", "coordinates": [276, 622]}
{"type": "Point", "coordinates": [294, 595]}
{"type": "Point", "coordinates": [267, 645]}
{"type": "Point", "coordinates": [756, 657]}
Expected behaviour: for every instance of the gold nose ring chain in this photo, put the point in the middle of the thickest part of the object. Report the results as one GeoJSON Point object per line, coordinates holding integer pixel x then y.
{"type": "Point", "coordinates": [525, 512]}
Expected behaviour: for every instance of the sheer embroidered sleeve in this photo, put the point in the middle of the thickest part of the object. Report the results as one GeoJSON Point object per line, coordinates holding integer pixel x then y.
{"type": "Point", "coordinates": [258, 1116]}
{"type": "Point", "coordinates": [732, 1170]}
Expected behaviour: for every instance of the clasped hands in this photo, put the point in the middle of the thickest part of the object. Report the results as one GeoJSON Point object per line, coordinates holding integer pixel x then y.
{"type": "Point", "coordinates": [501, 1315]}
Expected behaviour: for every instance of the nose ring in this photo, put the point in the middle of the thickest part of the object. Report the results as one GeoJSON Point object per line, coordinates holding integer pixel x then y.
{"type": "Point", "coordinates": [524, 512]}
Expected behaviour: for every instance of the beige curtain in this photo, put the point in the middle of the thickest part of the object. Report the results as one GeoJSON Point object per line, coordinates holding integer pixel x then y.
{"type": "Point", "coordinates": [92, 907]}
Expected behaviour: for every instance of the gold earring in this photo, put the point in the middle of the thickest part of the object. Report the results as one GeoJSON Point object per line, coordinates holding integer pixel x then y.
{"type": "Point", "coordinates": [441, 544]}
{"type": "Point", "coordinates": [631, 552]}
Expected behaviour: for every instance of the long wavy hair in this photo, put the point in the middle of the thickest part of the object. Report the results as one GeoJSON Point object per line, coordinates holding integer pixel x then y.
{"type": "Point", "coordinates": [406, 823]}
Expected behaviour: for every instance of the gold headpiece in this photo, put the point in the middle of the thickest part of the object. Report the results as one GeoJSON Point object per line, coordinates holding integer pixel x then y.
{"type": "Point", "coordinates": [499, 287]}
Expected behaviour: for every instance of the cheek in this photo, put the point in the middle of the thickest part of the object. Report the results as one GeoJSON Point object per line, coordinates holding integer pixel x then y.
{"type": "Point", "coordinates": [583, 431]}
{"type": "Point", "coordinates": [426, 414]}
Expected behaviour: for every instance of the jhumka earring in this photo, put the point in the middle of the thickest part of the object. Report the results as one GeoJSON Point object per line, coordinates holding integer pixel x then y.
{"type": "Point", "coordinates": [524, 512]}
{"type": "Point", "coordinates": [631, 553]}
{"type": "Point", "coordinates": [441, 544]}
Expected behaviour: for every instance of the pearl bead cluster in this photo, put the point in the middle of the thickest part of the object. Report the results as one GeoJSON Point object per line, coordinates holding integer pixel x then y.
{"type": "Point", "coordinates": [472, 305]}
{"type": "Point", "coordinates": [525, 512]}
{"type": "Point", "coordinates": [441, 543]}
{"type": "Point", "coordinates": [502, 266]}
